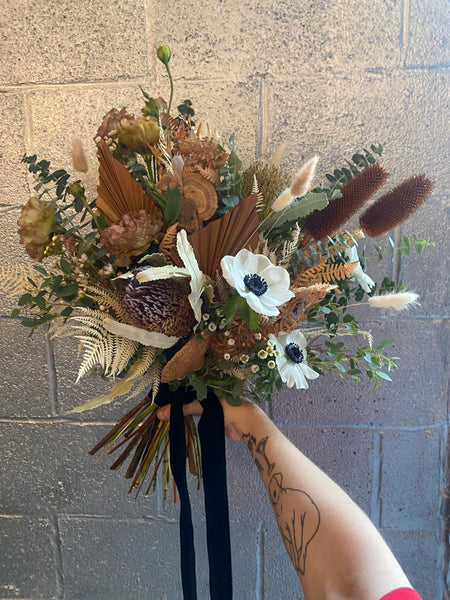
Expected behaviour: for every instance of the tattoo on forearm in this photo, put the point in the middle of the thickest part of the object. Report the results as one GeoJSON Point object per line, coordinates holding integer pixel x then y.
{"type": "Point", "coordinates": [297, 514]}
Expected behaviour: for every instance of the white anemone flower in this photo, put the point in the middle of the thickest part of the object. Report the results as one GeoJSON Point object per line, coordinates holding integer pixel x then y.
{"type": "Point", "coordinates": [366, 282]}
{"type": "Point", "coordinates": [263, 285]}
{"type": "Point", "coordinates": [291, 359]}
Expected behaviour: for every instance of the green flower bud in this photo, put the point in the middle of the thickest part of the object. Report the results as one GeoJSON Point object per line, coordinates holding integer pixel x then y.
{"type": "Point", "coordinates": [163, 54]}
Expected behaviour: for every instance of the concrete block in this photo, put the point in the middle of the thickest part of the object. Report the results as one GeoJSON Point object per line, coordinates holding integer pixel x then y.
{"type": "Point", "coordinates": [410, 469]}
{"type": "Point", "coordinates": [286, 39]}
{"type": "Point", "coordinates": [427, 33]}
{"type": "Point", "coordinates": [345, 455]}
{"type": "Point", "coordinates": [63, 42]}
{"type": "Point", "coordinates": [427, 273]}
{"type": "Point", "coordinates": [420, 554]}
{"type": "Point", "coordinates": [12, 177]}
{"type": "Point", "coordinates": [416, 396]}
{"type": "Point", "coordinates": [23, 378]}
{"type": "Point", "coordinates": [119, 558]}
{"type": "Point", "coordinates": [247, 495]}
{"type": "Point", "coordinates": [61, 114]}
{"type": "Point", "coordinates": [338, 115]}
{"type": "Point", "coordinates": [46, 468]}
{"type": "Point", "coordinates": [26, 565]}
{"type": "Point", "coordinates": [280, 577]}
{"type": "Point", "coordinates": [115, 559]}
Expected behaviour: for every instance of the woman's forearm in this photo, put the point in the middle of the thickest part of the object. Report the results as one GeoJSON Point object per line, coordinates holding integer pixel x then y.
{"type": "Point", "coordinates": [335, 549]}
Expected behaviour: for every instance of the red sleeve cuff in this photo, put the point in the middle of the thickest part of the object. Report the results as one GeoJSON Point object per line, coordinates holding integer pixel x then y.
{"type": "Point", "coordinates": [402, 594]}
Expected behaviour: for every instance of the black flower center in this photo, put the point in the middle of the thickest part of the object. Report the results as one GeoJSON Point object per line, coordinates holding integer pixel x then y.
{"type": "Point", "coordinates": [256, 284]}
{"type": "Point", "coordinates": [294, 353]}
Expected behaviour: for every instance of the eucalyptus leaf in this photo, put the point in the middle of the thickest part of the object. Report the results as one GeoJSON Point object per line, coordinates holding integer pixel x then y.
{"type": "Point", "coordinates": [297, 209]}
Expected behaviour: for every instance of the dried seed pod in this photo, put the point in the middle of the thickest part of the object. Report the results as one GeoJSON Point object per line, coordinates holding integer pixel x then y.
{"type": "Point", "coordinates": [396, 206]}
{"type": "Point", "coordinates": [190, 357]}
{"type": "Point", "coordinates": [355, 193]}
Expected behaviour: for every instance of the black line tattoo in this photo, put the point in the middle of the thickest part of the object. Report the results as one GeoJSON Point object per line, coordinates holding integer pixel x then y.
{"type": "Point", "coordinates": [297, 527]}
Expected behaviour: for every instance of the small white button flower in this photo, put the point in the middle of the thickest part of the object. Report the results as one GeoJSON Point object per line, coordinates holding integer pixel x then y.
{"type": "Point", "coordinates": [291, 359]}
{"type": "Point", "coordinates": [366, 282]}
{"type": "Point", "coordinates": [263, 285]}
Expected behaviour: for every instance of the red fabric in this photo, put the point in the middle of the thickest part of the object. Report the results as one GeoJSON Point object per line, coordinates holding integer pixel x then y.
{"type": "Point", "coordinates": [402, 594]}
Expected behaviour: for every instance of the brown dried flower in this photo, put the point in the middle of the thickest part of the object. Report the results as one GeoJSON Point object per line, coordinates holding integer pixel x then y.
{"type": "Point", "coordinates": [160, 305]}
{"type": "Point", "coordinates": [111, 122]}
{"type": "Point", "coordinates": [355, 193]}
{"type": "Point", "coordinates": [396, 206]}
{"type": "Point", "coordinates": [36, 226]}
{"type": "Point", "coordinates": [131, 235]}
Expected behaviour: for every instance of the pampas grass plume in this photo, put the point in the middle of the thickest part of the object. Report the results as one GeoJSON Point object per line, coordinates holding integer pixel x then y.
{"type": "Point", "coordinates": [397, 302]}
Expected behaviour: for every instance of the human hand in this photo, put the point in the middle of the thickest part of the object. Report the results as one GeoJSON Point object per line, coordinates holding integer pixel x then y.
{"type": "Point", "coordinates": [234, 416]}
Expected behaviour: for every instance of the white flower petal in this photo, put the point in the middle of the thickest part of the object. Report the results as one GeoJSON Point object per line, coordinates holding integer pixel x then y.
{"type": "Point", "coordinates": [137, 334]}
{"type": "Point", "coordinates": [308, 372]}
{"type": "Point", "coordinates": [296, 337]}
{"type": "Point", "coordinates": [236, 268]}
{"type": "Point", "coordinates": [198, 279]}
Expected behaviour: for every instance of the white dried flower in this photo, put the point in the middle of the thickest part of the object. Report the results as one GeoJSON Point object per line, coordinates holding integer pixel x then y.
{"type": "Point", "coordinates": [397, 302]}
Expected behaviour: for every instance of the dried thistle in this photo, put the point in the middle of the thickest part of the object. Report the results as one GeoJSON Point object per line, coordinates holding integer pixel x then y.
{"type": "Point", "coordinates": [396, 206]}
{"type": "Point", "coordinates": [355, 193]}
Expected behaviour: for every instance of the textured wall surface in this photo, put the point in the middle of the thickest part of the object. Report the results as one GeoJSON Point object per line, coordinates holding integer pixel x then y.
{"type": "Point", "coordinates": [326, 77]}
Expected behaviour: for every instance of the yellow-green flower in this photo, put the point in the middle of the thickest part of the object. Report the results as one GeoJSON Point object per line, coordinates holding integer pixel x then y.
{"type": "Point", "coordinates": [36, 226]}
{"type": "Point", "coordinates": [138, 134]}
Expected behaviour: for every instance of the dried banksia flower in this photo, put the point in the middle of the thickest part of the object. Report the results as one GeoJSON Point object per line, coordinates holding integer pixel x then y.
{"type": "Point", "coordinates": [161, 305]}
{"type": "Point", "coordinates": [396, 206]}
{"type": "Point", "coordinates": [399, 301]}
{"type": "Point", "coordinates": [355, 193]}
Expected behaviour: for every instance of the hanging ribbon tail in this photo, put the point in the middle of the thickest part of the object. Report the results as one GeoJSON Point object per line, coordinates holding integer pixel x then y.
{"type": "Point", "coordinates": [177, 438]}
{"type": "Point", "coordinates": [212, 440]}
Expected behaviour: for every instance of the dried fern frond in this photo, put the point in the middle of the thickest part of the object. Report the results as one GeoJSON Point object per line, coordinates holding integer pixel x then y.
{"type": "Point", "coordinates": [121, 387]}
{"type": "Point", "coordinates": [108, 298]}
{"type": "Point", "coordinates": [14, 279]}
{"type": "Point", "coordinates": [169, 241]}
{"type": "Point", "coordinates": [313, 293]}
{"type": "Point", "coordinates": [324, 273]}
{"type": "Point", "coordinates": [266, 251]}
{"type": "Point", "coordinates": [113, 353]}
{"type": "Point", "coordinates": [289, 247]}
{"type": "Point", "coordinates": [236, 373]}
{"type": "Point", "coordinates": [208, 173]}
{"type": "Point", "coordinates": [255, 190]}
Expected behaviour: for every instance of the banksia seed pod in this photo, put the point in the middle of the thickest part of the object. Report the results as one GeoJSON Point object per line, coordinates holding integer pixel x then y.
{"type": "Point", "coordinates": [396, 206]}
{"type": "Point", "coordinates": [355, 193]}
{"type": "Point", "coordinates": [161, 305]}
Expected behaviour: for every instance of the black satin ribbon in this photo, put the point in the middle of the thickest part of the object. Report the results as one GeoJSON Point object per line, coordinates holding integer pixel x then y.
{"type": "Point", "coordinates": [177, 436]}
{"type": "Point", "coordinates": [212, 440]}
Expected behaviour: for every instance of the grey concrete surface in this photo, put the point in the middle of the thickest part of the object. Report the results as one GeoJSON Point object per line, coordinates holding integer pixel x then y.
{"type": "Point", "coordinates": [323, 77]}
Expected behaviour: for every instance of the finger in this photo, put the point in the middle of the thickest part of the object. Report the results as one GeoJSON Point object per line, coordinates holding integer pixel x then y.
{"type": "Point", "coordinates": [193, 408]}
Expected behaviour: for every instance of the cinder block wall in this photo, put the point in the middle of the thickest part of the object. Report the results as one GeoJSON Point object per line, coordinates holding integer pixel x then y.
{"type": "Point", "coordinates": [326, 77]}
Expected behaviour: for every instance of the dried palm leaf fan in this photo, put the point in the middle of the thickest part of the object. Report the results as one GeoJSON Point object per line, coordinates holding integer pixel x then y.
{"type": "Point", "coordinates": [118, 192]}
{"type": "Point", "coordinates": [237, 229]}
